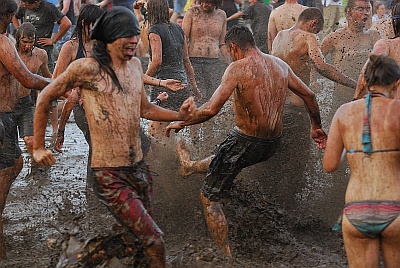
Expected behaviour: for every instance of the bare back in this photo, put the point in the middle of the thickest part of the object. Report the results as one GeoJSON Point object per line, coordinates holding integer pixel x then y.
{"type": "Point", "coordinates": [113, 117]}
{"type": "Point", "coordinates": [35, 62]}
{"type": "Point", "coordinates": [292, 47]}
{"type": "Point", "coordinates": [375, 177]}
{"type": "Point", "coordinates": [205, 32]}
{"type": "Point", "coordinates": [260, 95]}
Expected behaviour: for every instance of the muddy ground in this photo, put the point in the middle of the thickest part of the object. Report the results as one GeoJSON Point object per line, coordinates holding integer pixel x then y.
{"type": "Point", "coordinates": [47, 206]}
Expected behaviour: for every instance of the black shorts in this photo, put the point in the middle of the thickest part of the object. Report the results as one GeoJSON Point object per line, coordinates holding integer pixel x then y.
{"type": "Point", "coordinates": [10, 150]}
{"type": "Point", "coordinates": [236, 152]}
{"type": "Point", "coordinates": [23, 116]}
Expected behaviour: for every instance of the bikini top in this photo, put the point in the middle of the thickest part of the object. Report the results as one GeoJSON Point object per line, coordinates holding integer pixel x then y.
{"type": "Point", "coordinates": [366, 135]}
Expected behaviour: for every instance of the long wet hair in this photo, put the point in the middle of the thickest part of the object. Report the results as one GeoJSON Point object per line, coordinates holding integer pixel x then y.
{"type": "Point", "coordinates": [88, 15]}
{"type": "Point", "coordinates": [25, 30]}
{"type": "Point", "coordinates": [381, 70]}
{"type": "Point", "coordinates": [241, 36]}
{"type": "Point", "coordinates": [157, 11]}
{"type": "Point", "coordinates": [396, 20]}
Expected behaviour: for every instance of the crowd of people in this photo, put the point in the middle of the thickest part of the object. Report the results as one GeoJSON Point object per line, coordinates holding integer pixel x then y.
{"type": "Point", "coordinates": [194, 70]}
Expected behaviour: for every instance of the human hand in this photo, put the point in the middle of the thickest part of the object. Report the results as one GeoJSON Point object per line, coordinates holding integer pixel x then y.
{"type": "Point", "coordinates": [174, 85]}
{"type": "Point", "coordinates": [320, 137]}
{"type": "Point", "coordinates": [43, 157]}
{"type": "Point", "coordinates": [177, 125]}
{"type": "Point", "coordinates": [162, 96]}
{"type": "Point", "coordinates": [45, 41]}
{"type": "Point", "coordinates": [187, 110]}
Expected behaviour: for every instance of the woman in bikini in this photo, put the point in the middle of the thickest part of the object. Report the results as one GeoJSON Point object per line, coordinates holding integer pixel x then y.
{"type": "Point", "coordinates": [369, 131]}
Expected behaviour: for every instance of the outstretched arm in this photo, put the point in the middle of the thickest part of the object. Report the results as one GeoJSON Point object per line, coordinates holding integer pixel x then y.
{"type": "Point", "coordinates": [272, 31]}
{"type": "Point", "coordinates": [213, 105]}
{"type": "Point", "coordinates": [325, 69]}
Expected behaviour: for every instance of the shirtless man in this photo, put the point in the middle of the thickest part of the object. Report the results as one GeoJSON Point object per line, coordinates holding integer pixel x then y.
{"type": "Point", "coordinates": [259, 101]}
{"type": "Point", "coordinates": [387, 47]}
{"type": "Point", "coordinates": [35, 60]}
{"type": "Point", "coordinates": [282, 18]}
{"type": "Point", "coordinates": [298, 47]}
{"type": "Point", "coordinates": [205, 28]}
{"type": "Point", "coordinates": [350, 47]}
{"type": "Point", "coordinates": [112, 90]}
{"type": "Point", "coordinates": [368, 130]}
{"type": "Point", "coordinates": [12, 72]}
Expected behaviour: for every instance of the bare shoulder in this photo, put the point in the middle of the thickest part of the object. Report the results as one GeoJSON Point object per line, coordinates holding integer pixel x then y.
{"type": "Point", "coordinates": [194, 10]}
{"type": "Point", "coordinates": [221, 13]}
{"type": "Point", "coordinates": [41, 53]}
{"type": "Point", "coordinates": [86, 66]}
{"type": "Point", "coordinates": [71, 46]}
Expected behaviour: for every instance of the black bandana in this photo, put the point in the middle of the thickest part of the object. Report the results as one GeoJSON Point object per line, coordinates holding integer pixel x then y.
{"type": "Point", "coordinates": [117, 22]}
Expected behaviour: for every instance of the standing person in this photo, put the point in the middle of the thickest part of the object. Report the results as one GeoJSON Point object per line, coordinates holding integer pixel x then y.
{"type": "Point", "coordinates": [387, 47]}
{"type": "Point", "coordinates": [169, 58]}
{"type": "Point", "coordinates": [68, 9]}
{"type": "Point", "coordinates": [231, 7]}
{"type": "Point", "coordinates": [282, 18]}
{"type": "Point", "coordinates": [12, 72]}
{"type": "Point", "coordinates": [369, 132]}
{"type": "Point", "coordinates": [258, 108]}
{"type": "Point", "coordinates": [205, 28]}
{"type": "Point", "coordinates": [35, 60]}
{"type": "Point", "coordinates": [43, 15]}
{"type": "Point", "coordinates": [349, 48]}
{"type": "Point", "coordinates": [332, 10]}
{"type": "Point", "coordinates": [258, 13]}
{"type": "Point", "coordinates": [380, 12]}
{"type": "Point", "coordinates": [112, 90]}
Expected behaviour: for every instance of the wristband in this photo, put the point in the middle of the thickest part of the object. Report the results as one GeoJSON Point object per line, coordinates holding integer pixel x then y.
{"type": "Point", "coordinates": [157, 101]}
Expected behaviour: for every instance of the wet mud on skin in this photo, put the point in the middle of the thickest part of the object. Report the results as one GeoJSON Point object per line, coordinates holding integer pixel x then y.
{"type": "Point", "coordinates": [44, 203]}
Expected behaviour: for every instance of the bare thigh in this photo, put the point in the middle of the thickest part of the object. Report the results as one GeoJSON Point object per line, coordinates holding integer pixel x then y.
{"type": "Point", "coordinates": [361, 251]}
{"type": "Point", "coordinates": [391, 244]}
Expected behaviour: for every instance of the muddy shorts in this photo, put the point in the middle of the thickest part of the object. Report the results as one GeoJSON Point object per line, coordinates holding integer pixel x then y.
{"type": "Point", "coordinates": [127, 192]}
{"type": "Point", "coordinates": [23, 116]}
{"type": "Point", "coordinates": [10, 150]}
{"type": "Point", "coordinates": [236, 152]}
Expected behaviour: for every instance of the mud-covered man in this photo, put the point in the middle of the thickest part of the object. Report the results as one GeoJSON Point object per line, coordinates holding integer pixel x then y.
{"type": "Point", "coordinates": [35, 60]}
{"type": "Point", "coordinates": [12, 72]}
{"type": "Point", "coordinates": [112, 90]}
{"type": "Point", "coordinates": [259, 83]}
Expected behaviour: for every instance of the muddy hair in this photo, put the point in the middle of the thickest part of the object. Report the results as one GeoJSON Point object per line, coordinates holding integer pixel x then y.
{"type": "Point", "coordinates": [88, 15]}
{"type": "Point", "coordinates": [381, 70]}
{"type": "Point", "coordinates": [100, 54]}
{"type": "Point", "coordinates": [157, 11]}
{"type": "Point", "coordinates": [7, 8]}
{"type": "Point", "coordinates": [26, 29]}
{"type": "Point", "coordinates": [241, 36]}
{"type": "Point", "coordinates": [352, 3]}
{"type": "Point", "coordinates": [312, 13]}
{"type": "Point", "coordinates": [31, 1]}
{"type": "Point", "coordinates": [396, 20]}
{"type": "Point", "coordinates": [216, 3]}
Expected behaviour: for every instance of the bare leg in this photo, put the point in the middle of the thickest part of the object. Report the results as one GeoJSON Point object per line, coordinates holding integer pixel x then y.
{"type": "Point", "coordinates": [54, 119]}
{"type": "Point", "coordinates": [156, 253]}
{"type": "Point", "coordinates": [217, 225]}
{"type": "Point", "coordinates": [391, 244]}
{"type": "Point", "coordinates": [361, 251]}
{"type": "Point", "coordinates": [189, 167]}
{"type": "Point", "coordinates": [7, 176]}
